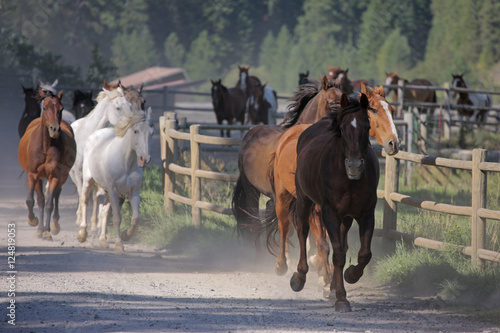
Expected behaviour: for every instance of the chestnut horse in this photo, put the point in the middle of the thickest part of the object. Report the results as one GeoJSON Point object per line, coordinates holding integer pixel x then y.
{"type": "Point", "coordinates": [47, 151]}
{"type": "Point", "coordinates": [412, 95]}
{"type": "Point", "coordinates": [484, 101]}
{"type": "Point", "coordinates": [229, 104]}
{"type": "Point", "coordinates": [310, 103]}
{"type": "Point", "coordinates": [338, 171]}
{"type": "Point", "coordinates": [284, 181]}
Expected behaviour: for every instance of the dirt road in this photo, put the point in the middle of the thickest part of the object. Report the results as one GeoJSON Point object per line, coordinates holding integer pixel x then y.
{"type": "Point", "coordinates": [65, 286]}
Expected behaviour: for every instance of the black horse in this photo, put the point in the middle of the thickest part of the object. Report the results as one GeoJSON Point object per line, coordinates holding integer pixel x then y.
{"type": "Point", "coordinates": [82, 103]}
{"type": "Point", "coordinates": [31, 110]}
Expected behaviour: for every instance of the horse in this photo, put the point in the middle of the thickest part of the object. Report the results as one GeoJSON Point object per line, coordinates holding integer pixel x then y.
{"type": "Point", "coordinates": [247, 82]}
{"type": "Point", "coordinates": [229, 104]}
{"type": "Point", "coordinates": [51, 88]}
{"type": "Point", "coordinates": [344, 82]}
{"type": "Point", "coordinates": [113, 161]}
{"type": "Point", "coordinates": [333, 72]}
{"type": "Point", "coordinates": [412, 95]}
{"type": "Point", "coordinates": [303, 78]}
{"type": "Point", "coordinates": [338, 171]}
{"type": "Point", "coordinates": [31, 110]}
{"type": "Point", "coordinates": [483, 101]}
{"type": "Point", "coordinates": [284, 184]}
{"type": "Point", "coordinates": [310, 103]}
{"type": "Point", "coordinates": [82, 103]}
{"type": "Point", "coordinates": [47, 150]}
{"type": "Point", "coordinates": [263, 101]}
{"type": "Point", "coordinates": [112, 106]}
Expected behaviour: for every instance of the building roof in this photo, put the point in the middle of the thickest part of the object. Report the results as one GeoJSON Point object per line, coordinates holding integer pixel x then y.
{"type": "Point", "coordinates": [155, 77]}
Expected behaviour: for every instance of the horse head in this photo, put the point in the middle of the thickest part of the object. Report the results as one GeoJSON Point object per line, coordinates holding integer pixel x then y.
{"type": "Point", "coordinates": [458, 82]}
{"type": "Point", "coordinates": [143, 131]}
{"type": "Point", "coordinates": [51, 112]}
{"type": "Point", "coordinates": [381, 123]}
{"type": "Point", "coordinates": [333, 72]}
{"type": "Point", "coordinates": [303, 78]}
{"type": "Point", "coordinates": [329, 96]}
{"type": "Point", "coordinates": [391, 79]}
{"type": "Point", "coordinates": [351, 123]}
{"type": "Point", "coordinates": [82, 103]}
{"type": "Point", "coordinates": [217, 91]}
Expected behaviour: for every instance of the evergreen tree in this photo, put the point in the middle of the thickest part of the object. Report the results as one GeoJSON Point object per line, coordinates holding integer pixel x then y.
{"type": "Point", "coordinates": [394, 55]}
{"type": "Point", "coordinates": [202, 60]}
{"type": "Point", "coordinates": [174, 51]}
{"type": "Point", "coordinates": [99, 69]}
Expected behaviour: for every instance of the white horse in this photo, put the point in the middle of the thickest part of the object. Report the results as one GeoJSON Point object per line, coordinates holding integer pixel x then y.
{"type": "Point", "coordinates": [47, 87]}
{"type": "Point", "coordinates": [113, 160]}
{"type": "Point", "coordinates": [113, 107]}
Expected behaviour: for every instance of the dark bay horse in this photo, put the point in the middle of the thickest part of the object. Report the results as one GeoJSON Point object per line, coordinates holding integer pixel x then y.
{"type": "Point", "coordinates": [412, 95]}
{"type": "Point", "coordinates": [338, 171]}
{"type": "Point", "coordinates": [304, 78]}
{"type": "Point", "coordinates": [229, 104]}
{"type": "Point", "coordinates": [310, 103]}
{"type": "Point", "coordinates": [262, 101]}
{"type": "Point", "coordinates": [247, 82]}
{"type": "Point", "coordinates": [31, 110]}
{"type": "Point", "coordinates": [82, 103]}
{"type": "Point", "coordinates": [284, 182]}
{"type": "Point", "coordinates": [333, 72]}
{"type": "Point", "coordinates": [484, 101]}
{"type": "Point", "coordinates": [47, 151]}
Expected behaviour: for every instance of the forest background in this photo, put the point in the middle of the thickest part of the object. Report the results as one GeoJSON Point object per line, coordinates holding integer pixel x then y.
{"type": "Point", "coordinates": [82, 42]}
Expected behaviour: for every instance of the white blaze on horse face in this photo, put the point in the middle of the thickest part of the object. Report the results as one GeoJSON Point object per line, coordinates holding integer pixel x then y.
{"type": "Point", "coordinates": [330, 73]}
{"type": "Point", "coordinates": [340, 77]}
{"type": "Point", "coordinates": [386, 107]}
{"type": "Point", "coordinates": [243, 80]}
{"type": "Point", "coordinates": [353, 122]}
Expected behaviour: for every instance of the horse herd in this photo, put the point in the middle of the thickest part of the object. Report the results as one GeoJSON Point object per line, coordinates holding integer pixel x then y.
{"type": "Point", "coordinates": [317, 167]}
{"type": "Point", "coordinates": [103, 152]}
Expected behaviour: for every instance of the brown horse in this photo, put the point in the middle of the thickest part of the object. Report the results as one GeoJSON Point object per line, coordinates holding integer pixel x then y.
{"type": "Point", "coordinates": [412, 95]}
{"type": "Point", "coordinates": [47, 151]}
{"type": "Point", "coordinates": [476, 99]}
{"type": "Point", "coordinates": [333, 72]}
{"type": "Point", "coordinates": [229, 104]}
{"type": "Point", "coordinates": [310, 103]}
{"type": "Point", "coordinates": [338, 171]}
{"type": "Point", "coordinates": [284, 181]}
{"type": "Point", "coordinates": [247, 82]}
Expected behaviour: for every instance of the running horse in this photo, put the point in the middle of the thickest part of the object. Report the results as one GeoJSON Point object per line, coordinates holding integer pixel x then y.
{"type": "Point", "coordinates": [412, 95]}
{"type": "Point", "coordinates": [229, 104]}
{"type": "Point", "coordinates": [82, 103]}
{"type": "Point", "coordinates": [482, 101]}
{"type": "Point", "coordinates": [310, 103]}
{"type": "Point", "coordinates": [47, 151]}
{"type": "Point", "coordinates": [304, 78]}
{"type": "Point", "coordinates": [338, 171]}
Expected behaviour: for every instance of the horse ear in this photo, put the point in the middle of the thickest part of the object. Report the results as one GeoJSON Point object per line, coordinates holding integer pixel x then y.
{"type": "Point", "coordinates": [105, 85]}
{"type": "Point", "coordinates": [140, 88]}
{"type": "Point", "coordinates": [307, 73]}
{"type": "Point", "coordinates": [61, 93]}
{"type": "Point", "coordinates": [42, 93]}
{"type": "Point", "coordinates": [55, 83]}
{"type": "Point", "coordinates": [363, 101]}
{"type": "Point", "coordinates": [363, 88]}
{"type": "Point", "coordinates": [381, 91]}
{"type": "Point", "coordinates": [324, 83]}
{"type": "Point", "coordinates": [344, 100]}
{"type": "Point", "coordinates": [347, 70]}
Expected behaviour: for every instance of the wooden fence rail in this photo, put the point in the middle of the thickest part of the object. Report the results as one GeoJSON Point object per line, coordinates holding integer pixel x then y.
{"type": "Point", "coordinates": [390, 196]}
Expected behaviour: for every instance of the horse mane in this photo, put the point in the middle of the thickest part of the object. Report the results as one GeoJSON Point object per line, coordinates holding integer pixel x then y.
{"type": "Point", "coordinates": [128, 121]}
{"type": "Point", "coordinates": [111, 94]}
{"type": "Point", "coordinates": [337, 114]}
{"type": "Point", "coordinates": [303, 95]}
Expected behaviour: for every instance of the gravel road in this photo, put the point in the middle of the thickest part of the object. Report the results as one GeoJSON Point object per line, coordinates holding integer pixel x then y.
{"type": "Point", "coordinates": [65, 286]}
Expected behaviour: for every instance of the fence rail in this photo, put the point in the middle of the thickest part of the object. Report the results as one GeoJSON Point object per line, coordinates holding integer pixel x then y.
{"type": "Point", "coordinates": [390, 196]}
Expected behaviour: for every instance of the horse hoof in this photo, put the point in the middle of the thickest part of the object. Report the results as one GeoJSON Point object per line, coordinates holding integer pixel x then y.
{"type": "Point", "coordinates": [82, 235]}
{"type": "Point", "coordinates": [103, 244]}
{"type": "Point", "coordinates": [55, 228]}
{"type": "Point", "coordinates": [119, 248]}
{"type": "Point", "coordinates": [33, 222]}
{"type": "Point", "coordinates": [46, 236]}
{"type": "Point", "coordinates": [297, 282]}
{"type": "Point", "coordinates": [348, 275]}
{"type": "Point", "coordinates": [329, 294]}
{"type": "Point", "coordinates": [342, 306]}
{"type": "Point", "coordinates": [125, 236]}
{"type": "Point", "coordinates": [281, 269]}
{"type": "Point", "coordinates": [39, 234]}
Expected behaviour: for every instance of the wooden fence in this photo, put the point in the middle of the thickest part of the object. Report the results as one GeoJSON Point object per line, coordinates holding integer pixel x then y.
{"type": "Point", "coordinates": [390, 196]}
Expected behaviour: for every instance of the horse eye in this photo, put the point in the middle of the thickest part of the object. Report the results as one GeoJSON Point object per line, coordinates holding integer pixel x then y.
{"type": "Point", "coordinates": [136, 132]}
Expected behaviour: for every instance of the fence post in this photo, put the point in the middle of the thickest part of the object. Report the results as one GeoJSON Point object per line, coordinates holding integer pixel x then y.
{"type": "Point", "coordinates": [195, 181]}
{"type": "Point", "coordinates": [408, 119]}
{"type": "Point", "coordinates": [390, 185]}
{"type": "Point", "coordinates": [447, 116]}
{"type": "Point", "coordinates": [168, 157]}
{"type": "Point", "coordinates": [401, 97]}
{"type": "Point", "coordinates": [422, 121]}
{"type": "Point", "coordinates": [479, 188]}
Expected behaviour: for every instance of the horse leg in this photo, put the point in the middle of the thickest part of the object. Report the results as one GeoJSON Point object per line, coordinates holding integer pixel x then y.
{"type": "Point", "coordinates": [87, 186]}
{"type": "Point", "coordinates": [282, 212]}
{"type": "Point", "coordinates": [322, 245]}
{"type": "Point", "coordinates": [30, 201]}
{"type": "Point", "coordinates": [103, 220]}
{"type": "Point", "coordinates": [135, 202]}
{"type": "Point", "coordinates": [117, 219]}
{"type": "Point", "coordinates": [337, 235]}
{"type": "Point", "coordinates": [53, 184]}
{"type": "Point", "coordinates": [55, 227]}
{"type": "Point", "coordinates": [95, 207]}
{"type": "Point", "coordinates": [366, 225]}
{"type": "Point", "coordinates": [40, 198]}
{"type": "Point", "coordinates": [303, 209]}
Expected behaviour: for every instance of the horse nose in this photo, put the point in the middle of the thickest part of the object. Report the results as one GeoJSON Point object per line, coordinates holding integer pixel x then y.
{"type": "Point", "coordinates": [54, 131]}
{"type": "Point", "coordinates": [354, 168]}
{"type": "Point", "coordinates": [392, 147]}
{"type": "Point", "coordinates": [144, 161]}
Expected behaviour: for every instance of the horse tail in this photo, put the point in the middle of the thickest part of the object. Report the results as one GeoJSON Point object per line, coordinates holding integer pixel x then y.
{"type": "Point", "coordinates": [305, 93]}
{"type": "Point", "coordinates": [243, 212]}
{"type": "Point", "coordinates": [271, 224]}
